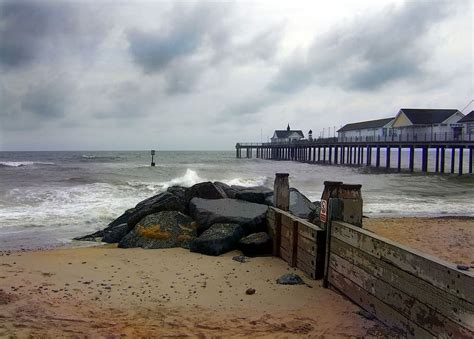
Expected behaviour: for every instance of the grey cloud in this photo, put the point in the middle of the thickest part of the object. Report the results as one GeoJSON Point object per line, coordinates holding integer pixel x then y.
{"type": "Point", "coordinates": [48, 100]}
{"type": "Point", "coordinates": [194, 39]}
{"type": "Point", "coordinates": [368, 53]}
{"type": "Point", "coordinates": [32, 29]}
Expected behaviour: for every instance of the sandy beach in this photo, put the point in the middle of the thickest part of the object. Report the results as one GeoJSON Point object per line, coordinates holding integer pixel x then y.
{"type": "Point", "coordinates": [448, 238]}
{"type": "Point", "coordinates": [106, 291]}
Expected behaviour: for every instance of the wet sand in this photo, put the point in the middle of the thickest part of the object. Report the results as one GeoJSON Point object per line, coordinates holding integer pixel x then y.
{"type": "Point", "coordinates": [106, 291]}
{"type": "Point", "coordinates": [448, 238]}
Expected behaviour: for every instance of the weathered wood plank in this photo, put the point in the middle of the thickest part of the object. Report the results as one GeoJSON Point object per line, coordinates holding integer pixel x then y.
{"type": "Point", "coordinates": [399, 324]}
{"type": "Point", "coordinates": [308, 245]}
{"type": "Point", "coordinates": [436, 271]}
{"type": "Point", "coordinates": [420, 313]}
{"type": "Point", "coordinates": [309, 271]}
{"type": "Point", "coordinates": [284, 254]}
{"type": "Point", "coordinates": [459, 310]}
{"type": "Point", "coordinates": [285, 243]}
{"type": "Point", "coordinates": [308, 259]}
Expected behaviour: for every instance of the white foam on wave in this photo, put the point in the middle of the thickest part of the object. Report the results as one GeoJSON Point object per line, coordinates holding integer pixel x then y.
{"type": "Point", "coordinates": [189, 179]}
{"type": "Point", "coordinates": [83, 208]}
{"type": "Point", "coordinates": [246, 182]}
{"type": "Point", "coordinates": [24, 163]}
{"type": "Point", "coordinates": [88, 156]}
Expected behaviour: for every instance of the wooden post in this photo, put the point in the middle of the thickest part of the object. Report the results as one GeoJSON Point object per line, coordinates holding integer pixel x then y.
{"type": "Point", "coordinates": [470, 159]}
{"type": "Point", "coordinates": [319, 154]}
{"type": "Point", "coordinates": [377, 157]}
{"type": "Point", "coordinates": [330, 154]}
{"type": "Point", "coordinates": [443, 159]}
{"type": "Point", "coordinates": [412, 158]}
{"type": "Point", "coordinates": [437, 160]}
{"type": "Point", "coordinates": [399, 165]}
{"type": "Point", "coordinates": [424, 159]}
{"type": "Point", "coordinates": [369, 156]}
{"type": "Point", "coordinates": [152, 155]}
{"type": "Point", "coordinates": [461, 154]}
{"type": "Point", "coordinates": [281, 190]}
{"type": "Point", "coordinates": [336, 150]}
{"type": "Point", "coordinates": [324, 154]}
{"type": "Point", "coordinates": [294, 243]}
{"type": "Point", "coordinates": [453, 154]}
{"type": "Point", "coordinates": [387, 158]}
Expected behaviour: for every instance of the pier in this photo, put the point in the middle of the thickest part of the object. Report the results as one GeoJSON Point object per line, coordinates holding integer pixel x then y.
{"type": "Point", "coordinates": [389, 154]}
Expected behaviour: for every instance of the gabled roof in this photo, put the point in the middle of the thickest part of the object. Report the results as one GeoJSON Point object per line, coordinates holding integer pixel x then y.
{"type": "Point", "coordinates": [283, 134]}
{"type": "Point", "coordinates": [365, 125]}
{"type": "Point", "coordinates": [468, 118]}
{"type": "Point", "coordinates": [428, 116]}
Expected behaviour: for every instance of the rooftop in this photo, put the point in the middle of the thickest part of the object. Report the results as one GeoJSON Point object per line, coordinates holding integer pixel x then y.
{"type": "Point", "coordinates": [428, 116]}
{"type": "Point", "coordinates": [468, 118]}
{"type": "Point", "coordinates": [365, 125]}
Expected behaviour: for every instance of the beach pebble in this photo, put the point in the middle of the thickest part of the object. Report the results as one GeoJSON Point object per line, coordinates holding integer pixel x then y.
{"type": "Point", "coordinates": [250, 291]}
{"type": "Point", "coordinates": [290, 279]}
{"type": "Point", "coordinates": [462, 267]}
{"type": "Point", "coordinates": [240, 258]}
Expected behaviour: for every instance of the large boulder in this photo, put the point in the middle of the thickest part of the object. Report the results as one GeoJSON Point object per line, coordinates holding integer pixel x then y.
{"type": "Point", "coordinates": [161, 202]}
{"type": "Point", "coordinates": [116, 233]}
{"type": "Point", "coordinates": [180, 193]}
{"type": "Point", "coordinates": [218, 239]}
{"type": "Point", "coordinates": [229, 191]}
{"type": "Point", "coordinates": [256, 195]}
{"type": "Point", "coordinates": [164, 229]}
{"type": "Point", "coordinates": [246, 214]}
{"type": "Point", "coordinates": [205, 190]}
{"type": "Point", "coordinates": [112, 228]}
{"type": "Point", "coordinates": [300, 205]}
{"type": "Point", "coordinates": [256, 244]}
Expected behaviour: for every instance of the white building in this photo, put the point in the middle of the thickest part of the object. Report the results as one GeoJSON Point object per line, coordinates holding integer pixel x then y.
{"type": "Point", "coordinates": [427, 124]}
{"type": "Point", "coordinates": [468, 126]}
{"type": "Point", "coordinates": [372, 130]}
{"type": "Point", "coordinates": [287, 135]}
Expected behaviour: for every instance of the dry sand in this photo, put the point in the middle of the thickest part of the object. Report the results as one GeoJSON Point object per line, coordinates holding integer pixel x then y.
{"type": "Point", "coordinates": [448, 238]}
{"type": "Point", "coordinates": [106, 291]}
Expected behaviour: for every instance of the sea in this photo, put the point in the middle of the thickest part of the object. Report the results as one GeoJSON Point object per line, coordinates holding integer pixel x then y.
{"type": "Point", "coordinates": [48, 198]}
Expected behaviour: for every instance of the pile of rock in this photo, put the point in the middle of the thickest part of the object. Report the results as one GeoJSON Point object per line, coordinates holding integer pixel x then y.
{"type": "Point", "coordinates": [210, 218]}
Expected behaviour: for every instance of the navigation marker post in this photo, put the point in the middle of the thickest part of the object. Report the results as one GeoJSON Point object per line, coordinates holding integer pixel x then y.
{"type": "Point", "coordinates": [152, 155]}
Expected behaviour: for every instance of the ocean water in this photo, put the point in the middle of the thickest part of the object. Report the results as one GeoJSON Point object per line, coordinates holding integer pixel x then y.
{"type": "Point", "coordinates": [47, 198]}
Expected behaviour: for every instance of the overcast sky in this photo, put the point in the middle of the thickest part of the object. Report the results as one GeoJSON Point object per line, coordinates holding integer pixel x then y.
{"type": "Point", "coordinates": [108, 75]}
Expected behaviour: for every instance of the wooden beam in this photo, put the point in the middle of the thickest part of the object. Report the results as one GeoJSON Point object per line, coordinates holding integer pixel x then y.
{"type": "Point", "coordinates": [441, 274]}
{"type": "Point", "coordinates": [457, 310]}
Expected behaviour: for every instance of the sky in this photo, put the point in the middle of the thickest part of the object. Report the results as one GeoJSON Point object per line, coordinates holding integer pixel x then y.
{"type": "Point", "coordinates": [139, 75]}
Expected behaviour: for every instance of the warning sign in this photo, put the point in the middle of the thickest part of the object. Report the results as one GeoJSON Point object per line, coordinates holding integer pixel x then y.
{"type": "Point", "coordinates": [324, 211]}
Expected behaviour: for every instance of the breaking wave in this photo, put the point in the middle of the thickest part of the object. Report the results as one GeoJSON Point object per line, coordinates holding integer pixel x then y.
{"type": "Point", "coordinates": [24, 163]}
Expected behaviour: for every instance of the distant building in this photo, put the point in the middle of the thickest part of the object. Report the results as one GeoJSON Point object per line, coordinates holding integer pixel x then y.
{"type": "Point", "coordinates": [371, 130]}
{"type": "Point", "coordinates": [468, 125]}
{"type": "Point", "coordinates": [428, 124]}
{"type": "Point", "coordinates": [287, 135]}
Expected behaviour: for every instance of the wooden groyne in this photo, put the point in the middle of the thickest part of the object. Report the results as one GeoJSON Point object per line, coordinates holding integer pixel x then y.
{"type": "Point", "coordinates": [449, 156]}
{"type": "Point", "coordinates": [415, 294]}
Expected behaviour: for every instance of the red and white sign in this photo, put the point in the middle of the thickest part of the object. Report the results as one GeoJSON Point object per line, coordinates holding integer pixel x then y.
{"type": "Point", "coordinates": [324, 211]}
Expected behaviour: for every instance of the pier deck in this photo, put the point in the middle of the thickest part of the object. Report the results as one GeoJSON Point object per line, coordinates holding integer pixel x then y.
{"type": "Point", "coordinates": [331, 151]}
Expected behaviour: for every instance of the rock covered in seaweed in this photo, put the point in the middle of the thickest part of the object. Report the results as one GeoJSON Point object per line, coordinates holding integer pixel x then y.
{"type": "Point", "coordinates": [164, 229]}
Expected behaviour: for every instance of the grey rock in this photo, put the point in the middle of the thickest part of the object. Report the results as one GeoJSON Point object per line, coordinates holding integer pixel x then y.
{"type": "Point", "coordinates": [97, 236]}
{"type": "Point", "coordinates": [205, 190]}
{"type": "Point", "coordinates": [229, 191]}
{"type": "Point", "coordinates": [256, 195]}
{"type": "Point", "coordinates": [462, 267]}
{"type": "Point", "coordinates": [165, 229]}
{"type": "Point", "coordinates": [250, 291]}
{"type": "Point", "coordinates": [290, 279]}
{"type": "Point", "coordinates": [240, 258]}
{"type": "Point", "coordinates": [250, 216]}
{"type": "Point", "coordinates": [180, 193]}
{"type": "Point", "coordinates": [218, 239]}
{"type": "Point", "coordinates": [256, 244]}
{"type": "Point", "coordinates": [162, 202]}
{"type": "Point", "coordinates": [300, 205]}
{"type": "Point", "coordinates": [116, 233]}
